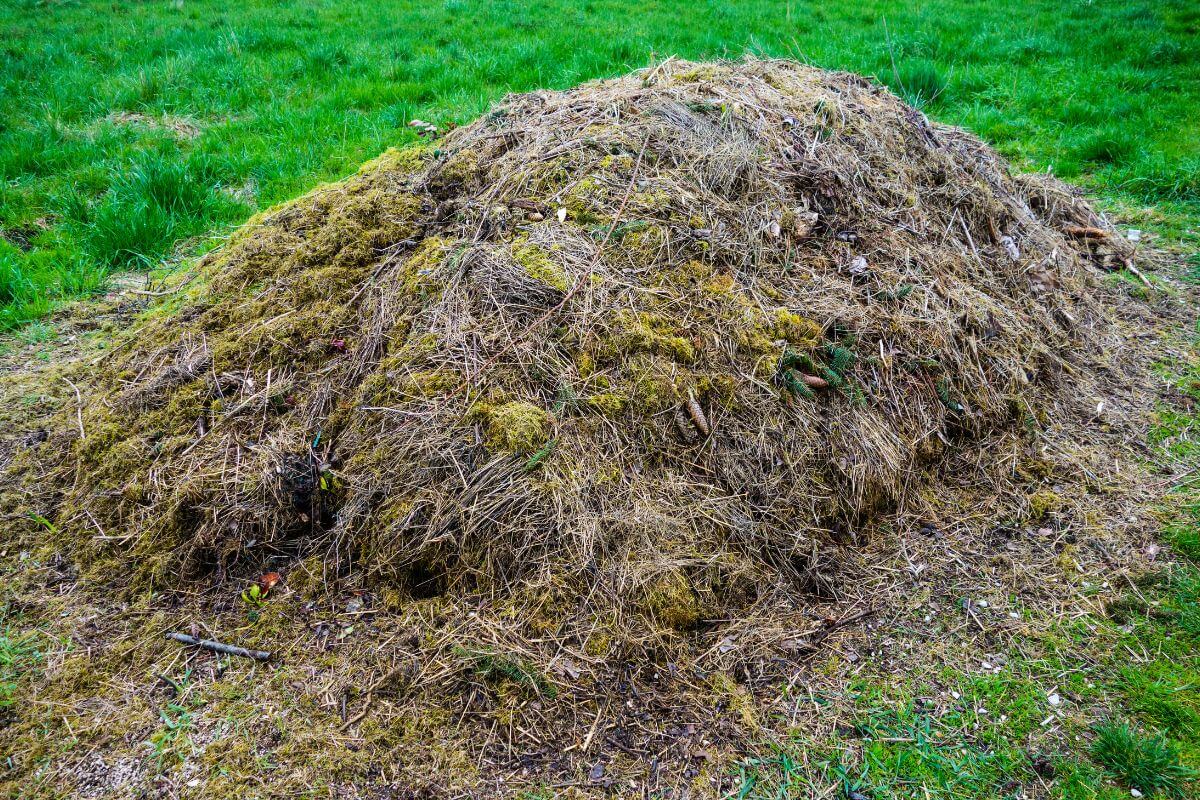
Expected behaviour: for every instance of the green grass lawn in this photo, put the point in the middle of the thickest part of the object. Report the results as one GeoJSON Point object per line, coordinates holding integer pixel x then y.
{"type": "Point", "coordinates": [129, 129]}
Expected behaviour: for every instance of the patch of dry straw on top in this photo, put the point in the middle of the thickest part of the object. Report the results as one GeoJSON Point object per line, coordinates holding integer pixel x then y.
{"type": "Point", "coordinates": [657, 350]}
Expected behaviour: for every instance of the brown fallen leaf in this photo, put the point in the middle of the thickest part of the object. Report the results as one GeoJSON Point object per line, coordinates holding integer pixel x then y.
{"type": "Point", "coordinates": [267, 581]}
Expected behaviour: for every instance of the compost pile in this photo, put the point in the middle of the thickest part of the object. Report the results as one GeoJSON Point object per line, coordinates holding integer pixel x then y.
{"type": "Point", "coordinates": [655, 351]}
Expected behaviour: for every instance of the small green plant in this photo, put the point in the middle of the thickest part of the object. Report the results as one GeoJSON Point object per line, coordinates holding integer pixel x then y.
{"type": "Point", "coordinates": [792, 382]}
{"type": "Point", "coordinates": [492, 666]}
{"type": "Point", "coordinates": [541, 455]}
{"type": "Point", "coordinates": [899, 293]}
{"type": "Point", "coordinates": [254, 597]}
{"type": "Point", "coordinates": [1146, 762]}
{"type": "Point", "coordinates": [171, 742]}
{"type": "Point", "coordinates": [831, 364]}
{"type": "Point", "coordinates": [17, 655]}
{"type": "Point", "coordinates": [946, 395]}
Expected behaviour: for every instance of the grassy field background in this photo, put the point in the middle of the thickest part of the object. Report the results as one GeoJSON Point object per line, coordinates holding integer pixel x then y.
{"type": "Point", "coordinates": [129, 129]}
{"type": "Point", "coordinates": [133, 134]}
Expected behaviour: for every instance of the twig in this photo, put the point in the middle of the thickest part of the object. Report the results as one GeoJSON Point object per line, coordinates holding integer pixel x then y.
{"type": "Point", "coordinates": [1129, 266]}
{"type": "Point", "coordinates": [78, 407]}
{"type": "Point", "coordinates": [1085, 232]}
{"type": "Point", "coordinates": [219, 647]}
{"type": "Point", "coordinates": [838, 624]}
{"type": "Point", "coordinates": [369, 698]}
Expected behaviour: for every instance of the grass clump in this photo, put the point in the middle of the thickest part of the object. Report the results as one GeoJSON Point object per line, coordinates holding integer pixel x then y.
{"type": "Point", "coordinates": [152, 203]}
{"type": "Point", "coordinates": [920, 82]}
{"type": "Point", "coordinates": [1146, 762]}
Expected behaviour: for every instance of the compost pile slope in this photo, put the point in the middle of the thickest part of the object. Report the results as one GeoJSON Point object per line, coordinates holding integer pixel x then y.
{"type": "Point", "coordinates": [654, 350]}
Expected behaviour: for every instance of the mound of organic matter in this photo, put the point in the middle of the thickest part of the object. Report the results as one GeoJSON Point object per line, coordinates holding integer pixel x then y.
{"type": "Point", "coordinates": [655, 352]}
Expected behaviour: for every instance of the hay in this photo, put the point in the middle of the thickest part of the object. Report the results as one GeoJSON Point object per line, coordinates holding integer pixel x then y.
{"type": "Point", "coordinates": [618, 362]}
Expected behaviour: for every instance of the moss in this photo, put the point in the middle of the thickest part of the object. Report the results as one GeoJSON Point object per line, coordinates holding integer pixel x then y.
{"type": "Point", "coordinates": [671, 602]}
{"type": "Point", "coordinates": [585, 364]}
{"type": "Point", "coordinates": [515, 427]}
{"type": "Point", "coordinates": [754, 341]}
{"type": "Point", "coordinates": [1034, 468]}
{"type": "Point", "coordinates": [645, 244]}
{"type": "Point", "coordinates": [427, 383]}
{"type": "Point", "coordinates": [643, 332]}
{"type": "Point", "coordinates": [586, 200]}
{"type": "Point", "coordinates": [705, 72]}
{"type": "Point", "coordinates": [721, 286]}
{"type": "Point", "coordinates": [650, 200]}
{"type": "Point", "coordinates": [622, 162]}
{"type": "Point", "coordinates": [356, 226]}
{"type": "Point", "coordinates": [650, 386]}
{"type": "Point", "coordinates": [401, 159]}
{"type": "Point", "coordinates": [459, 168]}
{"type": "Point", "coordinates": [1044, 503]}
{"type": "Point", "coordinates": [794, 328]}
{"type": "Point", "coordinates": [610, 404]}
{"type": "Point", "coordinates": [723, 387]}
{"type": "Point", "coordinates": [538, 264]}
{"type": "Point", "coordinates": [424, 261]}
{"type": "Point", "coordinates": [598, 644]}
{"type": "Point", "coordinates": [307, 579]}
{"type": "Point", "coordinates": [737, 698]}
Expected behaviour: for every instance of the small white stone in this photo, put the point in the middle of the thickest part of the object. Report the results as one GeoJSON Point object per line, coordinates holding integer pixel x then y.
{"type": "Point", "coordinates": [1054, 699]}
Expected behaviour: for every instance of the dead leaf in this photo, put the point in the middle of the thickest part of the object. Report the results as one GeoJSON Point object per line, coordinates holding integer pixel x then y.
{"type": "Point", "coordinates": [267, 581]}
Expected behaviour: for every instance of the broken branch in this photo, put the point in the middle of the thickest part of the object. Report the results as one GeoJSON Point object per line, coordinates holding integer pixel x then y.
{"type": "Point", "coordinates": [219, 647]}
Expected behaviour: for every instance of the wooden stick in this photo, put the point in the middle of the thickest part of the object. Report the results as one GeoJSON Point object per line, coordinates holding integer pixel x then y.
{"type": "Point", "coordinates": [1129, 266]}
{"type": "Point", "coordinates": [370, 698]}
{"type": "Point", "coordinates": [1085, 232]}
{"type": "Point", "coordinates": [219, 647]}
{"type": "Point", "coordinates": [78, 407]}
